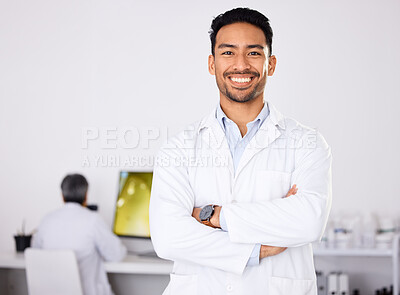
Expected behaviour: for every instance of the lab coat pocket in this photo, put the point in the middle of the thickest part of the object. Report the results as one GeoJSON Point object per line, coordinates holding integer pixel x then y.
{"type": "Point", "coordinates": [271, 185]}
{"type": "Point", "coordinates": [285, 286]}
{"type": "Point", "coordinates": [182, 284]}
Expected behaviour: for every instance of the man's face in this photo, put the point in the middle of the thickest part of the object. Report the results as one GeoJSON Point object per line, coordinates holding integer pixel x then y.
{"type": "Point", "coordinates": [241, 64]}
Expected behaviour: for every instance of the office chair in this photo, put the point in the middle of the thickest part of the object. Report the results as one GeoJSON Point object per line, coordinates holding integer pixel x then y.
{"type": "Point", "coordinates": [51, 272]}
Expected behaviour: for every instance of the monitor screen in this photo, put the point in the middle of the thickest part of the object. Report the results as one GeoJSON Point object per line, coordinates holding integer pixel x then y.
{"type": "Point", "coordinates": [132, 207]}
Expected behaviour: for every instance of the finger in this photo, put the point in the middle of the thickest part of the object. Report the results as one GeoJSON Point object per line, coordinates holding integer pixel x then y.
{"type": "Point", "coordinates": [290, 192]}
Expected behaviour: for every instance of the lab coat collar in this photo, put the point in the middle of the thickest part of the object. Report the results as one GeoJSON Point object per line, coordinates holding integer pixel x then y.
{"type": "Point", "coordinates": [269, 131]}
{"type": "Point", "coordinates": [73, 206]}
{"type": "Point", "coordinates": [274, 115]}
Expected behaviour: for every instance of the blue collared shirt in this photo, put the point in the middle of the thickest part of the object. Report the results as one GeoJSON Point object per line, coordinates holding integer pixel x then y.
{"type": "Point", "coordinates": [237, 144]}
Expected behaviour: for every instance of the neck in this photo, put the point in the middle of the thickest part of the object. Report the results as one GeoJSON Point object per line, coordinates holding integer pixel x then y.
{"type": "Point", "coordinates": [242, 113]}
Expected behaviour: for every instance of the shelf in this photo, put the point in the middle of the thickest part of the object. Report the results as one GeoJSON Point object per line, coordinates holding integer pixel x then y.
{"type": "Point", "coordinates": [392, 253]}
{"type": "Point", "coordinates": [354, 252]}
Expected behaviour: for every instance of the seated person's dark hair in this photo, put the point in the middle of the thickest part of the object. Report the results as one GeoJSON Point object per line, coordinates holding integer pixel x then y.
{"type": "Point", "coordinates": [74, 188]}
{"type": "Point", "coordinates": [241, 15]}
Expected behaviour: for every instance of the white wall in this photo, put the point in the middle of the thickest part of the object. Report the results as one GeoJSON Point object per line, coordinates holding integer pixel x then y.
{"type": "Point", "coordinates": [70, 65]}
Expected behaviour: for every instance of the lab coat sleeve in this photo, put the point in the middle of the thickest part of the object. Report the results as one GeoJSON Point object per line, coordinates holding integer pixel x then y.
{"type": "Point", "coordinates": [294, 221]}
{"type": "Point", "coordinates": [175, 234]}
{"type": "Point", "coordinates": [37, 240]}
{"type": "Point", "coordinates": [107, 243]}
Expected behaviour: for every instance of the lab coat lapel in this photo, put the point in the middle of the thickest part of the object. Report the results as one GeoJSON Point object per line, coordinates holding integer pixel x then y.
{"type": "Point", "coordinates": [214, 137]}
{"type": "Point", "coordinates": [269, 131]}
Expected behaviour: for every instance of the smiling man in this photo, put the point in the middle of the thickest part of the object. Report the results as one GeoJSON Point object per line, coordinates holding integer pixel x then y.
{"type": "Point", "coordinates": [244, 225]}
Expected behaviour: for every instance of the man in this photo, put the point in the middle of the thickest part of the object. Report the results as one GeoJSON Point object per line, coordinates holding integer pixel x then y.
{"type": "Point", "coordinates": [77, 228]}
{"type": "Point", "coordinates": [218, 206]}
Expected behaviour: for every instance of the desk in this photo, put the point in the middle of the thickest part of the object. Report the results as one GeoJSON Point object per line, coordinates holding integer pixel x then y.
{"type": "Point", "coordinates": [134, 275]}
{"type": "Point", "coordinates": [132, 264]}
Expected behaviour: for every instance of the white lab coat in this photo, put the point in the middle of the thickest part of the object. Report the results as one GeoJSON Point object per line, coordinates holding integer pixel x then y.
{"type": "Point", "coordinates": [211, 261]}
{"type": "Point", "coordinates": [77, 228]}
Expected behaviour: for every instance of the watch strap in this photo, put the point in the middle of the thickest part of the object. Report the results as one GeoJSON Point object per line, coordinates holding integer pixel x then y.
{"type": "Point", "coordinates": [208, 223]}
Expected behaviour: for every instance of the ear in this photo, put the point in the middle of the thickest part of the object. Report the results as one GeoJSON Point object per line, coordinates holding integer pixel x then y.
{"type": "Point", "coordinates": [271, 65]}
{"type": "Point", "coordinates": [211, 64]}
{"type": "Point", "coordinates": [85, 201]}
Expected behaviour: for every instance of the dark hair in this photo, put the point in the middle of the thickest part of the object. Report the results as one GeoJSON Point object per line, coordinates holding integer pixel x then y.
{"type": "Point", "coordinates": [74, 188]}
{"type": "Point", "coordinates": [241, 15]}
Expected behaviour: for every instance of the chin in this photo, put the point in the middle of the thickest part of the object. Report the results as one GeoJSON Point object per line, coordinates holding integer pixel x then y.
{"type": "Point", "coordinates": [234, 99]}
{"type": "Point", "coordinates": [241, 99]}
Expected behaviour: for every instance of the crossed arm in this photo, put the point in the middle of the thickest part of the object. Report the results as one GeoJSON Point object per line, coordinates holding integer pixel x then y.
{"type": "Point", "coordinates": [286, 222]}
{"type": "Point", "coordinates": [265, 250]}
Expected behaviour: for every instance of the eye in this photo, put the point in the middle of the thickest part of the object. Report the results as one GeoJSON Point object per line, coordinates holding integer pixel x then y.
{"type": "Point", "coordinates": [254, 53]}
{"type": "Point", "coordinates": [227, 53]}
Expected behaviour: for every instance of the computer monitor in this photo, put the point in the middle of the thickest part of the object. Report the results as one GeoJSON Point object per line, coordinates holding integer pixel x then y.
{"type": "Point", "coordinates": [132, 206]}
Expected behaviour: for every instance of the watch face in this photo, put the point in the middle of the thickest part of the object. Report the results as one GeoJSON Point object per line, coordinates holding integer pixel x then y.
{"type": "Point", "coordinates": [206, 212]}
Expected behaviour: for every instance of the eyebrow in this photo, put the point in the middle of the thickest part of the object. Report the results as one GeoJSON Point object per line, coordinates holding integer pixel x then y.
{"type": "Point", "coordinates": [256, 46]}
{"type": "Point", "coordinates": [226, 45]}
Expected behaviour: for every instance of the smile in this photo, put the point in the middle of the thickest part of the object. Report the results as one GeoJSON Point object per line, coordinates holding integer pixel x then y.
{"type": "Point", "coordinates": [241, 82]}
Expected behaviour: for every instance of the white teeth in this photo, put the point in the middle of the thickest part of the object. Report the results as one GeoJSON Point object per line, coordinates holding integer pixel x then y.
{"type": "Point", "coordinates": [241, 80]}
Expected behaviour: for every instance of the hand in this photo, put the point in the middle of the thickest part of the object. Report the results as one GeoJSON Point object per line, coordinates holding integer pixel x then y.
{"type": "Point", "coordinates": [215, 218]}
{"type": "Point", "coordinates": [267, 251]}
{"type": "Point", "coordinates": [292, 191]}
{"type": "Point", "coordinates": [196, 214]}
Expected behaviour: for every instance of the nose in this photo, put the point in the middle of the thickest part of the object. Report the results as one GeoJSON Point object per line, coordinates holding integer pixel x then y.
{"type": "Point", "coordinates": [241, 63]}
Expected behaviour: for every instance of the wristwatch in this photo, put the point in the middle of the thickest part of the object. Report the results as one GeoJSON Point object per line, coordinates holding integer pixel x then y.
{"type": "Point", "coordinates": [205, 215]}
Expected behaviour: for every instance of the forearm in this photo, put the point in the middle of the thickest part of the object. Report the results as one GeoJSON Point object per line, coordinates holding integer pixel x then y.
{"type": "Point", "coordinates": [179, 237]}
{"type": "Point", "coordinates": [285, 223]}
{"type": "Point", "coordinates": [259, 251]}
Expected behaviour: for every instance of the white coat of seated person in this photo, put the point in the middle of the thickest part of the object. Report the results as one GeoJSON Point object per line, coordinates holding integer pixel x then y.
{"type": "Point", "coordinates": [74, 227]}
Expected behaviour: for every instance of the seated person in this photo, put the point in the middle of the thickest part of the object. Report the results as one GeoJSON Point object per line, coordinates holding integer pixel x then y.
{"type": "Point", "coordinates": [77, 228]}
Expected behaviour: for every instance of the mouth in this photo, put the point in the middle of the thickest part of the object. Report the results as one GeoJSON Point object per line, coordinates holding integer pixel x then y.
{"type": "Point", "coordinates": [241, 81]}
